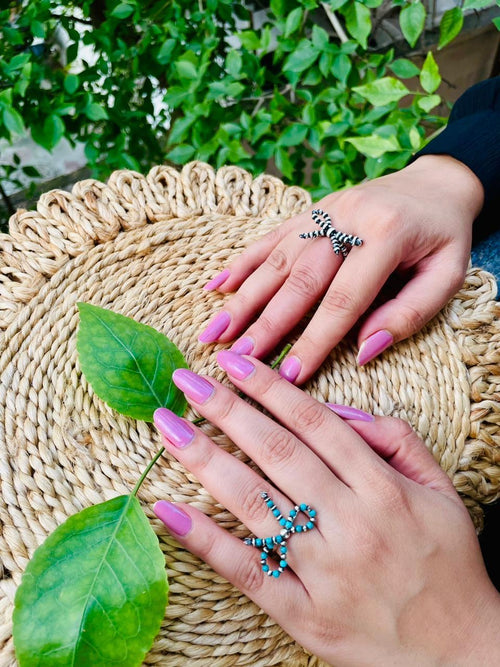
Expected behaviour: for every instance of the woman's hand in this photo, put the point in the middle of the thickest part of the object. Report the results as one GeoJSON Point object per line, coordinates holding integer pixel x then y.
{"type": "Point", "coordinates": [417, 221]}
{"type": "Point", "coordinates": [391, 574]}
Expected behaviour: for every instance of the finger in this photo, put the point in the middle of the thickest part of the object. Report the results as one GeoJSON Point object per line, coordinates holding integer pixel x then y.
{"type": "Point", "coordinates": [416, 304]}
{"type": "Point", "coordinates": [290, 465]}
{"type": "Point", "coordinates": [242, 489]}
{"type": "Point", "coordinates": [230, 557]}
{"type": "Point", "coordinates": [396, 442]}
{"type": "Point", "coordinates": [354, 287]}
{"type": "Point", "coordinates": [326, 436]}
{"type": "Point", "coordinates": [255, 292]}
{"type": "Point", "coordinates": [251, 258]}
{"type": "Point", "coordinates": [309, 278]}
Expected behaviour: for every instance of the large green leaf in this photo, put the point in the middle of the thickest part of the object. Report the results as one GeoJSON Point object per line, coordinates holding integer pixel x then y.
{"type": "Point", "coordinates": [94, 593]}
{"type": "Point", "coordinates": [412, 21]}
{"type": "Point", "coordinates": [358, 22]}
{"type": "Point", "coordinates": [450, 26]}
{"type": "Point", "coordinates": [374, 146]}
{"type": "Point", "coordinates": [128, 364]}
{"type": "Point", "coordinates": [382, 91]}
{"type": "Point", "coordinates": [429, 76]}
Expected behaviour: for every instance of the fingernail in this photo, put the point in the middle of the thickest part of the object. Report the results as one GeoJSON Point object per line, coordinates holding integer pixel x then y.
{"type": "Point", "coordinates": [346, 412]}
{"type": "Point", "coordinates": [243, 345]}
{"type": "Point", "coordinates": [237, 366]}
{"type": "Point", "coordinates": [374, 345]}
{"type": "Point", "coordinates": [195, 387]}
{"type": "Point", "coordinates": [175, 519]}
{"type": "Point", "coordinates": [217, 280]}
{"type": "Point", "coordinates": [290, 368]}
{"type": "Point", "coordinates": [216, 327]}
{"type": "Point", "coordinates": [175, 429]}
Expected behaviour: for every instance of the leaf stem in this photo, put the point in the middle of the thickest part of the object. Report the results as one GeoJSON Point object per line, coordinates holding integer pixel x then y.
{"type": "Point", "coordinates": [143, 476]}
{"type": "Point", "coordinates": [282, 355]}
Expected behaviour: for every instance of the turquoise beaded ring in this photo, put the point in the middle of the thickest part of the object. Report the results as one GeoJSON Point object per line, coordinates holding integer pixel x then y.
{"type": "Point", "coordinates": [277, 543]}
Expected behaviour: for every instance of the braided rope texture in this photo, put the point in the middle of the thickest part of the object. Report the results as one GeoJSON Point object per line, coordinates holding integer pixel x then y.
{"type": "Point", "coordinates": [144, 246]}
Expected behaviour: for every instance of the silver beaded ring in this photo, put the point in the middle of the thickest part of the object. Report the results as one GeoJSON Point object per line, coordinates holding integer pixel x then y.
{"type": "Point", "coordinates": [339, 240]}
{"type": "Point", "coordinates": [276, 544]}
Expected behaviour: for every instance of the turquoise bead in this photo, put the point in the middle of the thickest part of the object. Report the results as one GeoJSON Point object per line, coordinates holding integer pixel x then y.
{"type": "Point", "coordinates": [276, 574]}
{"type": "Point", "coordinates": [283, 563]}
{"type": "Point", "coordinates": [263, 555]}
{"type": "Point", "coordinates": [258, 542]}
{"type": "Point", "coordinates": [298, 529]}
{"type": "Point", "coordinates": [269, 503]}
{"type": "Point", "coordinates": [265, 568]}
{"type": "Point", "coordinates": [302, 507]}
{"type": "Point", "coordinates": [282, 522]}
{"type": "Point", "coordinates": [310, 525]}
{"type": "Point", "coordinates": [278, 538]}
{"type": "Point", "coordinates": [312, 513]}
{"type": "Point", "coordinates": [283, 550]}
{"type": "Point", "coordinates": [288, 524]}
{"type": "Point", "coordinates": [276, 512]}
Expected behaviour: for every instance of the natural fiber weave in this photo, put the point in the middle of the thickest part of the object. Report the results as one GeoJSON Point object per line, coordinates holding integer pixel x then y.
{"type": "Point", "coordinates": [145, 246]}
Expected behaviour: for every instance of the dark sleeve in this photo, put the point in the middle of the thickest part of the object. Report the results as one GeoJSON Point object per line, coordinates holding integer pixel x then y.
{"type": "Point", "coordinates": [473, 137]}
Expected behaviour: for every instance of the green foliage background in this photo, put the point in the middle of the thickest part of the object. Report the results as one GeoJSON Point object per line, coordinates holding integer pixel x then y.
{"type": "Point", "coordinates": [322, 107]}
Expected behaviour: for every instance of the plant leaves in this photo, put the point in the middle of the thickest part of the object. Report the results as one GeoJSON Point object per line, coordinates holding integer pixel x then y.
{"type": "Point", "coordinates": [429, 102]}
{"type": "Point", "coordinates": [429, 76]}
{"type": "Point", "coordinates": [358, 22]}
{"type": "Point", "coordinates": [382, 91]}
{"type": "Point", "coordinates": [128, 364]}
{"type": "Point", "coordinates": [450, 26]}
{"type": "Point", "coordinates": [404, 68]}
{"type": "Point", "coordinates": [374, 146]}
{"type": "Point", "coordinates": [94, 592]}
{"type": "Point", "coordinates": [13, 120]}
{"type": "Point", "coordinates": [476, 4]}
{"type": "Point", "coordinates": [412, 21]}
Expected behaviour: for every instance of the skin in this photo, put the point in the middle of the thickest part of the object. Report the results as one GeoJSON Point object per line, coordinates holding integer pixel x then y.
{"type": "Point", "coordinates": [416, 222]}
{"type": "Point", "coordinates": [392, 574]}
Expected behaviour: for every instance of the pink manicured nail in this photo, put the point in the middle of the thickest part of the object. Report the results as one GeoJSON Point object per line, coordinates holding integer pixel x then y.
{"type": "Point", "coordinates": [175, 519]}
{"type": "Point", "coordinates": [346, 412]}
{"type": "Point", "coordinates": [243, 345]}
{"type": "Point", "coordinates": [290, 368]}
{"type": "Point", "coordinates": [175, 429]}
{"type": "Point", "coordinates": [237, 366]}
{"type": "Point", "coordinates": [374, 345]}
{"type": "Point", "coordinates": [195, 387]}
{"type": "Point", "coordinates": [216, 327]}
{"type": "Point", "coordinates": [217, 280]}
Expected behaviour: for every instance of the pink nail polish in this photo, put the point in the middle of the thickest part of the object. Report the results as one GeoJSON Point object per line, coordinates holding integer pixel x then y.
{"type": "Point", "coordinates": [217, 280]}
{"type": "Point", "coordinates": [243, 345]}
{"type": "Point", "coordinates": [216, 327]}
{"type": "Point", "coordinates": [346, 412]}
{"type": "Point", "coordinates": [175, 429]}
{"type": "Point", "coordinates": [290, 368]}
{"type": "Point", "coordinates": [374, 345]}
{"type": "Point", "coordinates": [195, 387]}
{"type": "Point", "coordinates": [175, 519]}
{"type": "Point", "coordinates": [237, 366]}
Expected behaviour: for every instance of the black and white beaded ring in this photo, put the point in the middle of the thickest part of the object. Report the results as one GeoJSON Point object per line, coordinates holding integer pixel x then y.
{"type": "Point", "coordinates": [277, 543]}
{"type": "Point", "coordinates": [339, 240]}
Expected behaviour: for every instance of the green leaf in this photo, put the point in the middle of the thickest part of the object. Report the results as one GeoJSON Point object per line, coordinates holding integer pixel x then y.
{"type": "Point", "coordinates": [496, 22]}
{"type": "Point", "coordinates": [128, 364]}
{"type": "Point", "coordinates": [293, 135]}
{"type": "Point", "coordinates": [374, 146]}
{"type": "Point", "coordinates": [476, 4]}
{"type": "Point", "coordinates": [429, 102]}
{"type": "Point", "coordinates": [341, 67]}
{"type": "Point", "coordinates": [336, 4]}
{"type": "Point", "coordinates": [122, 11]}
{"type": "Point", "coordinates": [13, 120]}
{"type": "Point", "coordinates": [412, 21]}
{"type": "Point", "coordinates": [163, 56]}
{"type": "Point", "coordinates": [302, 58]}
{"type": "Point", "coordinates": [429, 76]}
{"type": "Point", "coordinates": [37, 29]}
{"type": "Point", "coordinates": [50, 133]}
{"type": "Point", "coordinates": [382, 91]}
{"type": "Point", "coordinates": [94, 592]}
{"type": "Point", "coordinates": [283, 162]}
{"type": "Point", "coordinates": [71, 83]}
{"type": "Point", "coordinates": [404, 68]}
{"type": "Point", "coordinates": [293, 21]}
{"type": "Point", "coordinates": [450, 26]}
{"type": "Point", "coordinates": [250, 40]}
{"type": "Point", "coordinates": [234, 62]}
{"type": "Point", "coordinates": [358, 22]}
{"type": "Point", "coordinates": [186, 69]}
{"type": "Point", "coordinates": [96, 112]}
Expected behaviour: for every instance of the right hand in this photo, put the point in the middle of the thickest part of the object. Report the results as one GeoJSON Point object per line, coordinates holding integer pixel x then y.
{"type": "Point", "coordinates": [417, 221]}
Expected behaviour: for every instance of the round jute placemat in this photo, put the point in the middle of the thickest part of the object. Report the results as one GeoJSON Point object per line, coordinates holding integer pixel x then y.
{"type": "Point", "coordinates": [144, 246]}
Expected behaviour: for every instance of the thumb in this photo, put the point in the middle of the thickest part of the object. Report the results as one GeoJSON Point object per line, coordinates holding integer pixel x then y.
{"type": "Point", "coordinates": [396, 442]}
{"type": "Point", "coordinates": [417, 303]}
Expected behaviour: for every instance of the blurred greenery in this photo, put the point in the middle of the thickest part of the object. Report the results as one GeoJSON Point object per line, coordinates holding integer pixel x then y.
{"type": "Point", "coordinates": [297, 86]}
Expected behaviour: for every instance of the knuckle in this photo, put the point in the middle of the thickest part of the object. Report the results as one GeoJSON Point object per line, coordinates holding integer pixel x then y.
{"type": "Point", "coordinates": [224, 408]}
{"type": "Point", "coordinates": [339, 302]}
{"type": "Point", "coordinates": [456, 278]}
{"type": "Point", "coordinates": [250, 501]}
{"type": "Point", "coordinates": [412, 319]}
{"type": "Point", "coordinates": [268, 325]}
{"type": "Point", "coordinates": [248, 575]}
{"type": "Point", "coordinates": [279, 447]}
{"type": "Point", "coordinates": [309, 415]}
{"type": "Point", "coordinates": [278, 261]}
{"type": "Point", "coordinates": [304, 282]}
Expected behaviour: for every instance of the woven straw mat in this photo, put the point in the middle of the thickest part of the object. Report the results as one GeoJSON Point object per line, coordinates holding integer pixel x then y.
{"type": "Point", "coordinates": [144, 246]}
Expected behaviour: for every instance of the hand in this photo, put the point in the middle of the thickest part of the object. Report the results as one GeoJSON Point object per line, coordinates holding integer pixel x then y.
{"type": "Point", "coordinates": [417, 221]}
{"type": "Point", "coordinates": [391, 574]}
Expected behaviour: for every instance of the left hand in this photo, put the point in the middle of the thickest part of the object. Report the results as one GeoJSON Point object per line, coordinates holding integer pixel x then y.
{"type": "Point", "coordinates": [391, 574]}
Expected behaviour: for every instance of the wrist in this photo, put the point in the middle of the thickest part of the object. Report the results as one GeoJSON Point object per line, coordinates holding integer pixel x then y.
{"type": "Point", "coordinates": [452, 176]}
